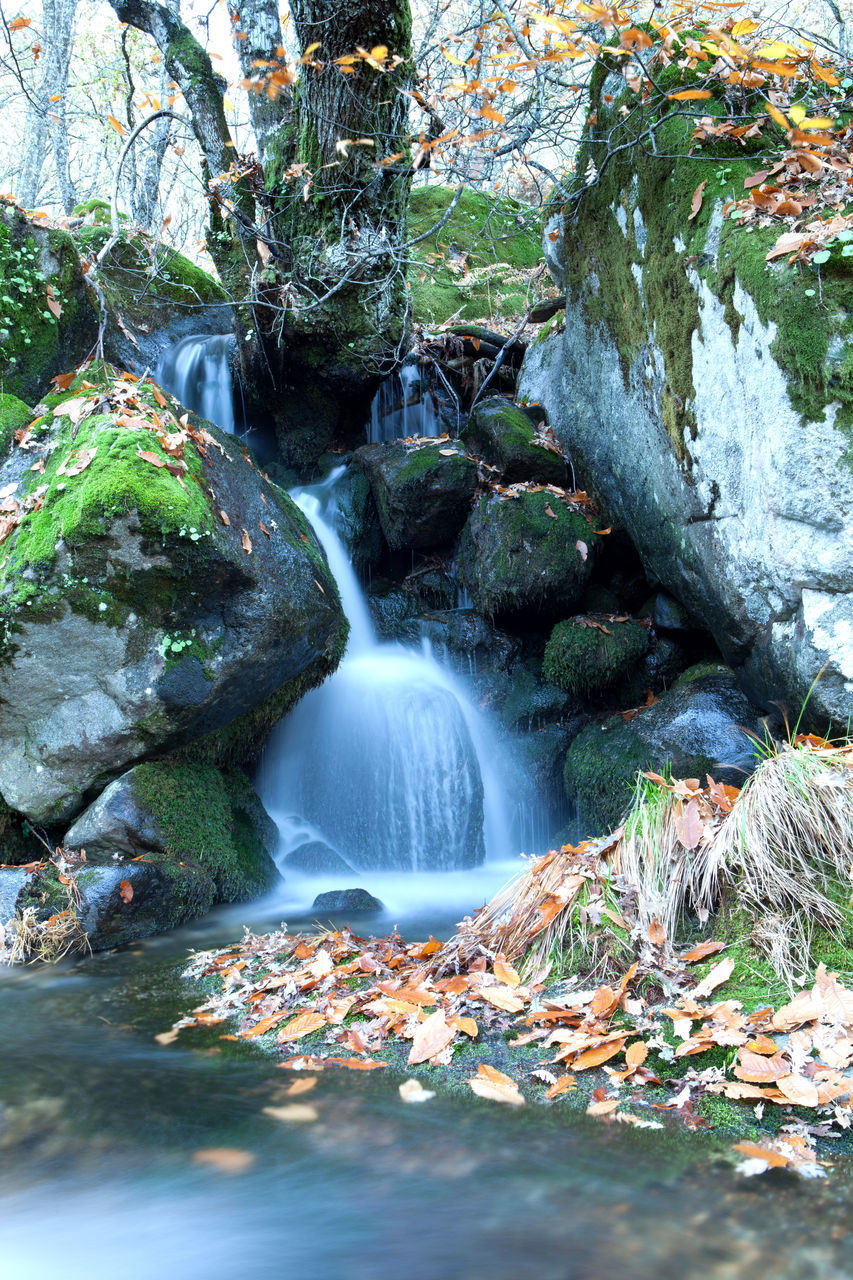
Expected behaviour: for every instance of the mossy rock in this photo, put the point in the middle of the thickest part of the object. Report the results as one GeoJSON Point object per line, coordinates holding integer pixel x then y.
{"type": "Point", "coordinates": [14, 415]}
{"type": "Point", "coordinates": [423, 493]}
{"type": "Point", "coordinates": [488, 243]}
{"type": "Point", "coordinates": [701, 726]}
{"type": "Point", "coordinates": [504, 436]}
{"type": "Point", "coordinates": [40, 273]}
{"type": "Point", "coordinates": [585, 655]}
{"type": "Point", "coordinates": [358, 520]}
{"type": "Point", "coordinates": [191, 813]}
{"type": "Point", "coordinates": [531, 554]}
{"type": "Point", "coordinates": [122, 562]}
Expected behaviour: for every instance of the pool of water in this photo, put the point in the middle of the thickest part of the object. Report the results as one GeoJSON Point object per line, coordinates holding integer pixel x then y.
{"type": "Point", "coordinates": [101, 1129]}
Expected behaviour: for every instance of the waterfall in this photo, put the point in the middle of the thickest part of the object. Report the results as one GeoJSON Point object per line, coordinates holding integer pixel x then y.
{"type": "Point", "coordinates": [387, 764]}
{"type": "Point", "coordinates": [403, 406]}
{"type": "Point", "coordinates": [197, 371]}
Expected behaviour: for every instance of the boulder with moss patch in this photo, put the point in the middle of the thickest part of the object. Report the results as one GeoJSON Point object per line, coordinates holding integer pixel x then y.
{"type": "Point", "coordinates": [529, 554]}
{"type": "Point", "coordinates": [155, 592]}
{"type": "Point", "coordinates": [423, 494]}
{"type": "Point", "coordinates": [706, 395]}
{"type": "Point", "coordinates": [586, 654]}
{"type": "Point", "coordinates": [704, 724]}
{"type": "Point", "coordinates": [504, 436]}
{"type": "Point", "coordinates": [46, 321]}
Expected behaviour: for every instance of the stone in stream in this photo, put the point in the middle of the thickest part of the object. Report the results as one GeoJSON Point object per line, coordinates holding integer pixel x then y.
{"type": "Point", "coordinates": [702, 725]}
{"type": "Point", "coordinates": [423, 494]}
{"type": "Point", "coordinates": [503, 435]}
{"type": "Point", "coordinates": [147, 599]}
{"type": "Point", "coordinates": [356, 901]}
{"type": "Point", "coordinates": [530, 554]}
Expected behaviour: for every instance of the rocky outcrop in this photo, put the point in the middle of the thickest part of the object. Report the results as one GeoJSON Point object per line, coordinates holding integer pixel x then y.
{"type": "Point", "coordinates": [155, 591]}
{"type": "Point", "coordinates": [46, 321]}
{"type": "Point", "coordinates": [530, 553]}
{"type": "Point", "coordinates": [422, 494]}
{"type": "Point", "coordinates": [704, 724]}
{"type": "Point", "coordinates": [704, 395]}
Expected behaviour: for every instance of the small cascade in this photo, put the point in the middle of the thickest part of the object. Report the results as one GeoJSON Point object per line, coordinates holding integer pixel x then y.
{"type": "Point", "coordinates": [403, 406]}
{"type": "Point", "coordinates": [197, 371]}
{"type": "Point", "coordinates": [387, 765]}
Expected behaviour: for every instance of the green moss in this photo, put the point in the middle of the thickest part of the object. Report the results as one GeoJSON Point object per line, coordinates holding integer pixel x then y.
{"type": "Point", "coordinates": [584, 655]}
{"type": "Point", "coordinates": [14, 414]}
{"type": "Point", "coordinates": [599, 773]}
{"type": "Point", "coordinates": [205, 819]}
{"type": "Point", "coordinates": [139, 277]}
{"type": "Point", "coordinates": [495, 241]}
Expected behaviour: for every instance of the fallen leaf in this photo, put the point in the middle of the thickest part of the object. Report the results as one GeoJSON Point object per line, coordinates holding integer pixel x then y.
{"type": "Point", "coordinates": [304, 1024]}
{"type": "Point", "coordinates": [701, 950]}
{"type": "Point", "coordinates": [696, 202]}
{"type": "Point", "coordinates": [656, 933]}
{"type": "Point", "coordinates": [125, 890]}
{"type": "Point", "coordinates": [602, 1108]}
{"type": "Point", "coordinates": [295, 1113]}
{"type": "Point", "coordinates": [720, 973]}
{"type": "Point", "coordinates": [225, 1159]}
{"type": "Point", "coordinates": [413, 1091]}
{"type": "Point", "coordinates": [636, 1053]}
{"type": "Point", "coordinates": [774, 1159]}
{"type": "Point", "coordinates": [799, 1090]}
{"type": "Point", "coordinates": [582, 548]}
{"type": "Point", "coordinates": [167, 1037]}
{"type": "Point", "coordinates": [565, 1084]}
{"type": "Point", "coordinates": [305, 1085]}
{"type": "Point", "coordinates": [224, 517]}
{"type": "Point", "coordinates": [494, 1085]}
{"type": "Point", "coordinates": [432, 1036]}
{"type": "Point", "coordinates": [246, 542]}
{"type": "Point", "coordinates": [505, 973]}
{"type": "Point", "coordinates": [595, 1057]}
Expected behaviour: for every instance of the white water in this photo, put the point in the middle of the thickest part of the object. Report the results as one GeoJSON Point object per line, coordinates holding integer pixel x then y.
{"type": "Point", "coordinates": [197, 371]}
{"type": "Point", "coordinates": [387, 764]}
{"type": "Point", "coordinates": [402, 407]}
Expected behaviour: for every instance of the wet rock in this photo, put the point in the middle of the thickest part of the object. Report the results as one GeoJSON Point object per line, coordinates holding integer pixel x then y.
{"type": "Point", "coordinates": [133, 618]}
{"type": "Point", "coordinates": [192, 815]}
{"type": "Point", "coordinates": [585, 655]}
{"type": "Point", "coordinates": [315, 857]}
{"type": "Point", "coordinates": [124, 901]}
{"type": "Point", "coordinates": [700, 726]}
{"type": "Point", "coordinates": [504, 436]}
{"type": "Point", "coordinates": [12, 881]}
{"type": "Point", "coordinates": [358, 519]}
{"type": "Point", "coordinates": [356, 901]}
{"type": "Point", "coordinates": [423, 494]}
{"type": "Point", "coordinates": [667, 613]}
{"type": "Point", "coordinates": [516, 558]}
{"type": "Point", "coordinates": [469, 641]}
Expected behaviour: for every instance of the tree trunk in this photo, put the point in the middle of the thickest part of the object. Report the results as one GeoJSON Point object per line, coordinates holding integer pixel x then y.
{"type": "Point", "coordinates": [46, 121]}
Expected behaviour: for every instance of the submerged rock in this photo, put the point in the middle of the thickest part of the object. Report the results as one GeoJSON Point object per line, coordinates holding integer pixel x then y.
{"type": "Point", "coordinates": [504, 436]}
{"type": "Point", "coordinates": [423, 494]}
{"type": "Point", "coordinates": [700, 726]}
{"type": "Point", "coordinates": [193, 813]}
{"type": "Point", "coordinates": [356, 901]}
{"type": "Point", "coordinates": [529, 554]}
{"type": "Point", "coordinates": [155, 590]}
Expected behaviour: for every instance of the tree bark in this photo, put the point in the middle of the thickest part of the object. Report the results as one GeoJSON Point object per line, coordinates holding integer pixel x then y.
{"type": "Point", "coordinates": [46, 121]}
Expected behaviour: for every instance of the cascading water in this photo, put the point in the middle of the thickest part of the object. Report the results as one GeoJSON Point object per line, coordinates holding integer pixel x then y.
{"type": "Point", "coordinates": [403, 406]}
{"type": "Point", "coordinates": [386, 765]}
{"type": "Point", "coordinates": [197, 371]}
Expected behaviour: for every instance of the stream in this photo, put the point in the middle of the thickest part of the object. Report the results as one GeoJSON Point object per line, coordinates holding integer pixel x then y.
{"type": "Point", "coordinates": [122, 1158]}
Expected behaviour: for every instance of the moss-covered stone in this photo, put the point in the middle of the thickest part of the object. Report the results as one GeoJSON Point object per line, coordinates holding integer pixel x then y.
{"type": "Point", "coordinates": [422, 494]}
{"type": "Point", "coordinates": [40, 275]}
{"type": "Point", "coordinates": [14, 415]}
{"type": "Point", "coordinates": [584, 655]}
{"type": "Point", "coordinates": [504, 436]}
{"type": "Point", "coordinates": [529, 554]}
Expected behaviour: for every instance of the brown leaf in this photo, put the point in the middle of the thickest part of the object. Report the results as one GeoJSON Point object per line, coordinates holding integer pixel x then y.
{"type": "Point", "coordinates": [602, 1108]}
{"type": "Point", "coordinates": [696, 202]}
{"type": "Point", "coordinates": [264, 529]}
{"type": "Point", "coordinates": [53, 306]}
{"type": "Point", "coordinates": [657, 933]}
{"type": "Point", "coordinates": [153, 458]}
{"type": "Point", "coordinates": [295, 1113]}
{"type": "Point", "coordinates": [431, 1037]}
{"type": "Point", "coordinates": [125, 890]}
{"type": "Point", "coordinates": [505, 973]}
{"type": "Point", "coordinates": [302, 1025]}
{"type": "Point", "coordinates": [246, 542]}
{"type": "Point", "coordinates": [636, 1053]}
{"type": "Point", "coordinates": [225, 1159]}
{"type": "Point", "coordinates": [772, 1158]}
{"type": "Point", "coordinates": [305, 1085]}
{"type": "Point", "coordinates": [158, 396]}
{"type": "Point", "coordinates": [688, 824]}
{"type": "Point", "coordinates": [595, 1057]}
{"type": "Point", "coordinates": [76, 462]}
{"type": "Point", "coordinates": [549, 512]}
{"type": "Point", "coordinates": [565, 1084]}
{"type": "Point", "coordinates": [502, 998]}
{"type": "Point", "coordinates": [799, 1090]}
{"type": "Point", "coordinates": [224, 517]}
{"type": "Point", "coordinates": [494, 1085]}
{"type": "Point", "coordinates": [701, 950]}
{"type": "Point", "coordinates": [758, 1069]}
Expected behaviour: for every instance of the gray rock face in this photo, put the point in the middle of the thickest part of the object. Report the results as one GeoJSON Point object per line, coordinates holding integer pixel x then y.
{"type": "Point", "coordinates": [122, 902]}
{"type": "Point", "coordinates": [315, 857]}
{"type": "Point", "coordinates": [702, 725]}
{"type": "Point", "coordinates": [422, 495]}
{"type": "Point", "coordinates": [752, 527]}
{"type": "Point", "coordinates": [136, 632]}
{"type": "Point", "coordinates": [355, 901]}
{"type": "Point", "coordinates": [12, 881]}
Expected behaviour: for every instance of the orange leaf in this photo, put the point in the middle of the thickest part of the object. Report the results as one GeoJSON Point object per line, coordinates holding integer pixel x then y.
{"type": "Point", "coordinates": [506, 973]}
{"type": "Point", "coordinates": [494, 1085]}
{"type": "Point", "coordinates": [431, 1037]}
{"type": "Point", "coordinates": [799, 1090]}
{"type": "Point", "coordinates": [125, 890]}
{"type": "Point", "coordinates": [657, 933]}
{"type": "Point", "coordinates": [246, 542]}
{"type": "Point", "coordinates": [718, 975]}
{"type": "Point", "coordinates": [467, 1026]}
{"type": "Point", "coordinates": [595, 1057]}
{"type": "Point", "coordinates": [116, 124]}
{"type": "Point", "coordinates": [689, 95]}
{"type": "Point", "coordinates": [696, 202]}
{"type": "Point", "coordinates": [701, 950]}
{"type": "Point", "coordinates": [18, 24]}
{"type": "Point", "coordinates": [758, 1069]}
{"type": "Point", "coordinates": [502, 998]}
{"type": "Point", "coordinates": [565, 1084]}
{"type": "Point", "coordinates": [636, 1053]}
{"type": "Point", "coordinates": [302, 1025]}
{"type": "Point", "coordinates": [772, 1158]}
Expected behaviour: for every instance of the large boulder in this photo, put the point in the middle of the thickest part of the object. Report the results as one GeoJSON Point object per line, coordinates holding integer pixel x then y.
{"type": "Point", "coordinates": [704, 724]}
{"type": "Point", "coordinates": [423, 493]}
{"type": "Point", "coordinates": [505, 437]}
{"type": "Point", "coordinates": [46, 321]}
{"type": "Point", "coordinates": [155, 590]}
{"type": "Point", "coordinates": [586, 654]}
{"type": "Point", "coordinates": [705, 395]}
{"type": "Point", "coordinates": [531, 553]}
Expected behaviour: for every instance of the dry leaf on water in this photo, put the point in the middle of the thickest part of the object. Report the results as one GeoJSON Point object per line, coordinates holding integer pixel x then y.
{"type": "Point", "coordinates": [413, 1091]}
{"type": "Point", "coordinates": [295, 1113]}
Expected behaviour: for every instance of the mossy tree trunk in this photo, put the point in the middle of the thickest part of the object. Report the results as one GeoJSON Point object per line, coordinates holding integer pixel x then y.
{"type": "Point", "coordinates": [329, 308]}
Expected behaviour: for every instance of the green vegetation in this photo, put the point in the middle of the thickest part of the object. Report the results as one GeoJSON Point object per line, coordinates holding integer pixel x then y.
{"type": "Point", "coordinates": [14, 414]}
{"type": "Point", "coordinates": [486, 243]}
{"type": "Point", "coordinates": [584, 655]}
